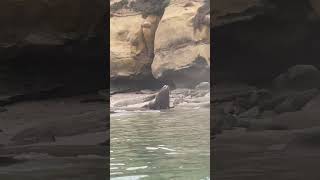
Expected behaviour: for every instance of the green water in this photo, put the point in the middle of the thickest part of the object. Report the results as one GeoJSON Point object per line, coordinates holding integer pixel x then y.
{"type": "Point", "coordinates": [172, 144]}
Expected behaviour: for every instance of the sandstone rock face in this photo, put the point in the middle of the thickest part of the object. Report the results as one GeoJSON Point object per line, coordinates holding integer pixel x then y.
{"type": "Point", "coordinates": [182, 43]}
{"type": "Point", "coordinates": [166, 40]}
{"type": "Point", "coordinates": [132, 32]}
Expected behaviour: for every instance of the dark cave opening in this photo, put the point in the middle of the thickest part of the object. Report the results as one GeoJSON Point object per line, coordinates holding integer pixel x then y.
{"type": "Point", "coordinates": [258, 50]}
{"type": "Point", "coordinates": [72, 69]}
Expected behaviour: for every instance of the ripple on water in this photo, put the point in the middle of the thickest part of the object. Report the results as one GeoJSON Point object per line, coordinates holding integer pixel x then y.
{"type": "Point", "coordinates": [137, 177]}
{"type": "Point", "coordinates": [170, 144]}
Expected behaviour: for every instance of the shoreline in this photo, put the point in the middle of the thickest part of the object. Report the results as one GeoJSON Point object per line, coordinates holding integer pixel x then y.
{"type": "Point", "coordinates": [77, 124]}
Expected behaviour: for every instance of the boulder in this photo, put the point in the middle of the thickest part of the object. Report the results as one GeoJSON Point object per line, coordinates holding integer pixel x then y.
{"type": "Point", "coordinates": [270, 104]}
{"type": "Point", "coordinates": [258, 96]}
{"type": "Point", "coordinates": [203, 86]}
{"type": "Point", "coordinates": [298, 77]}
{"type": "Point", "coordinates": [223, 120]}
{"type": "Point", "coordinates": [296, 101]}
{"type": "Point", "coordinates": [252, 113]}
{"type": "Point", "coordinates": [313, 104]}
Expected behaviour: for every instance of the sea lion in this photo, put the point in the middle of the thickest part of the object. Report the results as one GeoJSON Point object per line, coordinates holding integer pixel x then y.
{"type": "Point", "coordinates": [162, 99]}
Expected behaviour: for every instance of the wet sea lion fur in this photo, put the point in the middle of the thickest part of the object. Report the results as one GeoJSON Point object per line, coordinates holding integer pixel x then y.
{"type": "Point", "coordinates": [162, 99]}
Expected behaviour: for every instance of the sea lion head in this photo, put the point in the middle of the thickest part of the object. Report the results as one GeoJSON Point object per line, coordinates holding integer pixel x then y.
{"type": "Point", "coordinates": [165, 87]}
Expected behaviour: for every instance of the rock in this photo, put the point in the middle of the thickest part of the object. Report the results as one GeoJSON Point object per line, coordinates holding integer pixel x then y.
{"type": "Point", "coordinates": [200, 93]}
{"type": "Point", "coordinates": [307, 137]}
{"type": "Point", "coordinates": [243, 122]}
{"type": "Point", "coordinates": [265, 124]}
{"type": "Point", "coordinates": [313, 104]}
{"type": "Point", "coordinates": [48, 131]}
{"type": "Point", "coordinates": [178, 101]}
{"type": "Point", "coordinates": [252, 113]}
{"type": "Point", "coordinates": [231, 91]}
{"type": "Point", "coordinates": [2, 109]}
{"type": "Point", "coordinates": [184, 92]}
{"type": "Point", "coordinates": [228, 107]}
{"type": "Point", "coordinates": [316, 6]}
{"type": "Point", "coordinates": [147, 91]}
{"type": "Point", "coordinates": [272, 103]}
{"type": "Point", "coordinates": [132, 39]}
{"type": "Point", "coordinates": [223, 120]}
{"type": "Point", "coordinates": [203, 86]}
{"type": "Point", "coordinates": [258, 96]}
{"type": "Point", "coordinates": [223, 11]}
{"type": "Point", "coordinates": [299, 77]}
{"type": "Point", "coordinates": [105, 143]}
{"type": "Point", "coordinates": [267, 114]}
{"type": "Point", "coordinates": [299, 119]}
{"type": "Point", "coordinates": [296, 101]}
{"type": "Point", "coordinates": [182, 51]}
{"type": "Point", "coordinates": [242, 103]}
{"type": "Point", "coordinates": [47, 23]}
{"type": "Point", "coordinates": [132, 101]}
{"type": "Point", "coordinates": [33, 135]}
{"type": "Point", "coordinates": [9, 160]}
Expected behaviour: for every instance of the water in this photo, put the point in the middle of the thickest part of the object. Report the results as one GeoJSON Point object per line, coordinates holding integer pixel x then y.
{"type": "Point", "coordinates": [171, 144]}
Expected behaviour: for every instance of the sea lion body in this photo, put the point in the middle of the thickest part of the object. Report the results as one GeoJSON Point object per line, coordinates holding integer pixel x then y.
{"type": "Point", "coordinates": [162, 99]}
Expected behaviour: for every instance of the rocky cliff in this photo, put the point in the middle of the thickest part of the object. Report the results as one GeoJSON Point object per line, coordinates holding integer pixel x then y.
{"type": "Point", "coordinates": [166, 40]}
{"type": "Point", "coordinates": [256, 40]}
{"type": "Point", "coordinates": [45, 43]}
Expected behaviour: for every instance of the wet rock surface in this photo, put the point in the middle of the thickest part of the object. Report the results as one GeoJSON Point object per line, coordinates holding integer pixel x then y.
{"type": "Point", "coordinates": [54, 132]}
{"type": "Point", "coordinates": [179, 97]}
{"type": "Point", "coordinates": [267, 125]}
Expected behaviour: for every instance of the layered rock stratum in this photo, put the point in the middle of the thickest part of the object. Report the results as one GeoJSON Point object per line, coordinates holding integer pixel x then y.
{"type": "Point", "coordinates": [166, 40]}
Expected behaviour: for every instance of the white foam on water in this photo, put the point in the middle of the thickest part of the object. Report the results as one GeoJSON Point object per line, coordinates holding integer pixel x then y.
{"type": "Point", "coordinates": [130, 177]}
{"type": "Point", "coordinates": [167, 149]}
{"type": "Point", "coordinates": [152, 148]}
{"type": "Point", "coordinates": [117, 164]}
{"type": "Point", "coordinates": [173, 153]}
{"type": "Point", "coordinates": [136, 168]}
{"type": "Point", "coordinates": [116, 173]}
